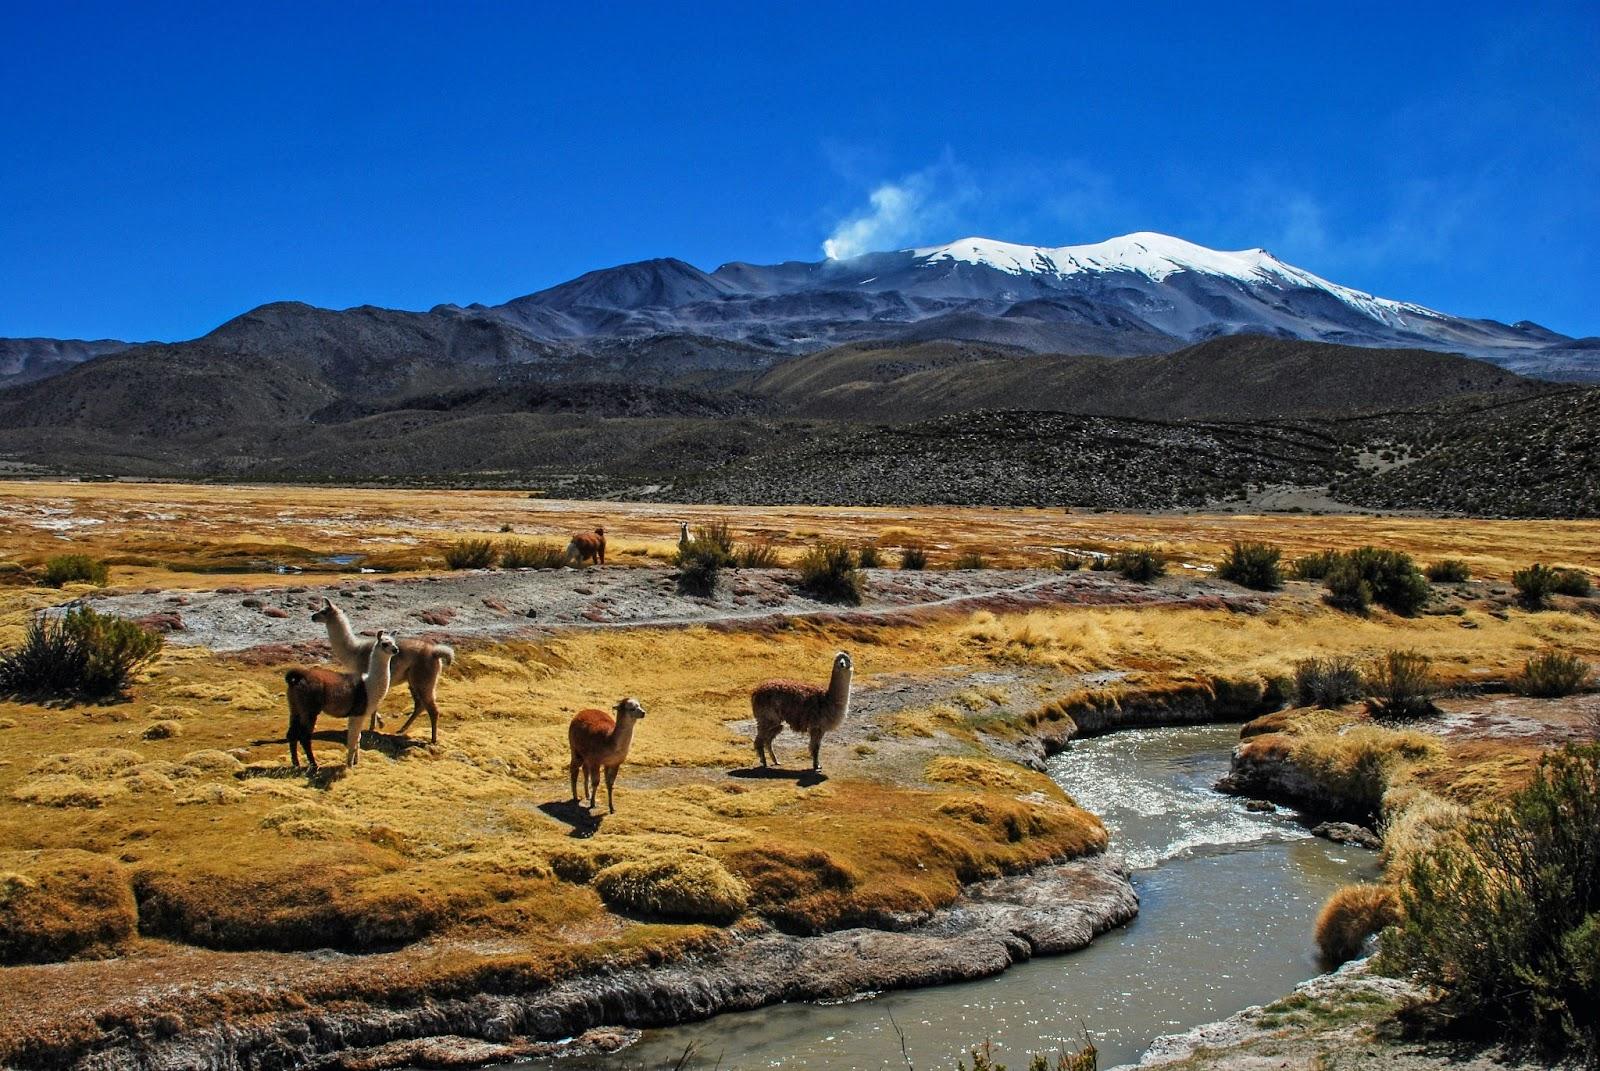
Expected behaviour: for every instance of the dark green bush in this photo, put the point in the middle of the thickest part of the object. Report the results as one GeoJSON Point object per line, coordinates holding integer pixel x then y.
{"type": "Point", "coordinates": [80, 654]}
{"type": "Point", "coordinates": [869, 557]}
{"type": "Point", "coordinates": [1142, 564]}
{"type": "Point", "coordinates": [1401, 684]}
{"type": "Point", "coordinates": [828, 571]}
{"type": "Point", "coordinates": [700, 565]}
{"type": "Point", "coordinates": [1535, 585]}
{"type": "Point", "coordinates": [913, 557]}
{"type": "Point", "coordinates": [1316, 565]}
{"type": "Point", "coordinates": [528, 554]}
{"type": "Point", "coordinates": [1253, 565]}
{"type": "Point", "coordinates": [758, 555]}
{"type": "Point", "coordinates": [1327, 682]}
{"type": "Point", "coordinates": [970, 559]}
{"type": "Point", "coordinates": [74, 569]}
{"type": "Point", "coordinates": [1550, 674]}
{"type": "Point", "coordinates": [1573, 582]}
{"type": "Point", "coordinates": [1387, 577]}
{"type": "Point", "coordinates": [1504, 921]}
{"type": "Point", "coordinates": [471, 554]}
{"type": "Point", "coordinates": [1449, 571]}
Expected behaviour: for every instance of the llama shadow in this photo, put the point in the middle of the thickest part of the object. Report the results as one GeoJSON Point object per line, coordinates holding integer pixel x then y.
{"type": "Point", "coordinates": [584, 823]}
{"type": "Point", "coordinates": [802, 777]}
{"type": "Point", "coordinates": [391, 744]}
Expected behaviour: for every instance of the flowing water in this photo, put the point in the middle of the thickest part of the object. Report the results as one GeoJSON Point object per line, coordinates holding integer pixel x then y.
{"type": "Point", "coordinates": [1227, 900]}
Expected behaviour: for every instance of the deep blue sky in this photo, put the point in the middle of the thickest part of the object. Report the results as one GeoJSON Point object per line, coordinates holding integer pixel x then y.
{"type": "Point", "coordinates": [165, 167]}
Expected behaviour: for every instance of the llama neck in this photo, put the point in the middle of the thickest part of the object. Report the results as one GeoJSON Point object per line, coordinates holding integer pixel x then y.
{"type": "Point", "coordinates": [839, 690]}
{"type": "Point", "coordinates": [622, 735]}
{"type": "Point", "coordinates": [340, 636]}
{"type": "Point", "coordinates": [377, 677]}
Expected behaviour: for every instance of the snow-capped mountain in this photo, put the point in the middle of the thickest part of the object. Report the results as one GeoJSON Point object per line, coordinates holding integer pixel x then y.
{"type": "Point", "coordinates": [1139, 293]}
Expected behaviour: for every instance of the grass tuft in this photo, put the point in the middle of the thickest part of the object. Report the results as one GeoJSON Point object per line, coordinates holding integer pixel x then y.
{"type": "Point", "coordinates": [1551, 674]}
{"type": "Point", "coordinates": [1351, 915]}
{"type": "Point", "coordinates": [471, 554]}
{"type": "Point", "coordinates": [1401, 684]}
{"type": "Point", "coordinates": [681, 886]}
{"type": "Point", "coordinates": [828, 571]}
{"type": "Point", "coordinates": [530, 554]}
{"type": "Point", "coordinates": [913, 556]}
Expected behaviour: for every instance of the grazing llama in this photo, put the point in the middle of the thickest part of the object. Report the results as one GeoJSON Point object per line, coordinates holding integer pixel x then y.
{"type": "Point", "coordinates": [805, 708]}
{"type": "Point", "coordinates": [418, 664]}
{"type": "Point", "coordinates": [597, 741]}
{"type": "Point", "coordinates": [588, 546]}
{"type": "Point", "coordinates": [352, 696]}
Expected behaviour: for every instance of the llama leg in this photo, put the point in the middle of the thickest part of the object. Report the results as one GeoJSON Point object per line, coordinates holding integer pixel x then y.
{"type": "Point", "coordinates": [816, 749]}
{"type": "Point", "coordinates": [308, 727]}
{"type": "Point", "coordinates": [433, 720]}
{"type": "Point", "coordinates": [575, 765]}
{"type": "Point", "coordinates": [611, 779]}
{"type": "Point", "coordinates": [591, 781]}
{"type": "Point", "coordinates": [418, 701]}
{"type": "Point", "coordinates": [352, 740]}
{"type": "Point", "coordinates": [764, 737]}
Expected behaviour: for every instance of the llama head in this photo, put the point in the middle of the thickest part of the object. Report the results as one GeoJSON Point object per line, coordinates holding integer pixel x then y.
{"type": "Point", "coordinates": [630, 708]}
{"type": "Point", "coordinates": [601, 532]}
{"type": "Point", "coordinates": [388, 644]}
{"type": "Point", "coordinates": [325, 613]}
{"type": "Point", "coordinates": [841, 662]}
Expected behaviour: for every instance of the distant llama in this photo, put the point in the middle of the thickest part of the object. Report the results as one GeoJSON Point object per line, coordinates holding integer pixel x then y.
{"type": "Point", "coordinates": [418, 664]}
{"type": "Point", "coordinates": [351, 696]}
{"type": "Point", "coordinates": [588, 546]}
{"type": "Point", "coordinates": [805, 708]}
{"type": "Point", "coordinates": [598, 742]}
{"type": "Point", "coordinates": [683, 534]}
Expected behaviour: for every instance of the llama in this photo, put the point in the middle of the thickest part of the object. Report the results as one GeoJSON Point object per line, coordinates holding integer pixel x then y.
{"type": "Point", "coordinates": [805, 708]}
{"type": "Point", "coordinates": [597, 741]}
{"type": "Point", "coordinates": [351, 696]}
{"type": "Point", "coordinates": [587, 546]}
{"type": "Point", "coordinates": [418, 664]}
{"type": "Point", "coordinates": [683, 534]}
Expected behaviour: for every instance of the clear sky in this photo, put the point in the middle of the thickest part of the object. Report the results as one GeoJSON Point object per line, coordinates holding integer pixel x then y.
{"type": "Point", "coordinates": [165, 167]}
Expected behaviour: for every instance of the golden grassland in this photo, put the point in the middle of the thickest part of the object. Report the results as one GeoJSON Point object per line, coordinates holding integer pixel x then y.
{"type": "Point", "coordinates": [169, 827]}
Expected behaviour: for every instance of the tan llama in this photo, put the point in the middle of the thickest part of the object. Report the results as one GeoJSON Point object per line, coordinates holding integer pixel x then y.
{"type": "Point", "coordinates": [351, 696]}
{"type": "Point", "coordinates": [419, 664]}
{"type": "Point", "coordinates": [598, 742]}
{"type": "Point", "coordinates": [805, 708]}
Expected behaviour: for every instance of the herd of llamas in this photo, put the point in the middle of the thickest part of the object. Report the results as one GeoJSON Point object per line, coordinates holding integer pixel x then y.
{"type": "Point", "coordinates": [599, 742]}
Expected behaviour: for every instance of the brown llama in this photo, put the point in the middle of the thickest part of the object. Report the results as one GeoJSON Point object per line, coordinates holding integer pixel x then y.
{"type": "Point", "coordinates": [600, 741]}
{"type": "Point", "coordinates": [805, 708]}
{"type": "Point", "coordinates": [351, 696]}
{"type": "Point", "coordinates": [419, 664]}
{"type": "Point", "coordinates": [588, 546]}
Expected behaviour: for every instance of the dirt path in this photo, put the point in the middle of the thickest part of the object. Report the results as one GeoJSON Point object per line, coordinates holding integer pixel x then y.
{"type": "Point", "coordinates": [505, 604]}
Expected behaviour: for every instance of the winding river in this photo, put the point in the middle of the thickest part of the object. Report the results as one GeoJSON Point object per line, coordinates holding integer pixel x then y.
{"type": "Point", "coordinates": [1227, 901]}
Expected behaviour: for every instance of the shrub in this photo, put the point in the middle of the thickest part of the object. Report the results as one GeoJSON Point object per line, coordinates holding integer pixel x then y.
{"type": "Point", "coordinates": [1573, 582]}
{"type": "Point", "coordinates": [1142, 564]}
{"type": "Point", "coordinates": [1316, 565]}
{"type": "Point", "coordinates": [527, 554]}
{"type": "Point", "coordinates": [1367, 575]}
{"type": "Point", "coordinates": [912, 556]}
{"type": "Point", "coordinates": [1550, 674]}
{"type": "Point", "coordinates": [716, 538]}
{"type": "Point", "coordinates": [1327, 682]}
{"type": "Point", "coordinates": [758, 555]}
{"type": "Point", "coordinates": [828, 571]}
{"type": "Point", "coordinates": [470, 554]}
{"type": "Point", "coordinates": [682, 885]}
{"type": "Point", "coordinates": [869, 557]}
{"type": "Point", "coordinates": [1086, 1058]}
{"type": "Point", "coordinates": [700, 566]}
{"type": "Point", "coordinates": [1351, 915]}
{"type": "Point", "coordinates": [1253, 565]}
{"type": "Point", "coordinates": [970, 559]}
{"type": "Point", "coordinates": [1449, 571]}
{"type": "Point", "coordinates": [79, 654]}
{"type": "Point", "coordinates": [74, 569]}
{"type": "Point", "coordinates": [1069, 561]}
{"type": "Point", "coordinates": [1401, 685]}
{"type": "Point", "coordinates": [1504, 919]}
{"type": "Point", "coordinates": [1535, 585]}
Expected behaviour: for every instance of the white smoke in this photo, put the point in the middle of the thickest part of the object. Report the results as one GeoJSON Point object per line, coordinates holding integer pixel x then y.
{"type": "Point", "coordinates": [894, 215]}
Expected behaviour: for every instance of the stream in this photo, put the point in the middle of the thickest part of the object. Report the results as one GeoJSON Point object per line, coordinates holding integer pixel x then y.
{"type": "Point", "coordinates": [1227, 901]}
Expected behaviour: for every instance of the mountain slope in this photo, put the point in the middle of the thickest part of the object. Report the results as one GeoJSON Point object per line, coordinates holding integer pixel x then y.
{"type": "Point", "coordinates": [24, 360]}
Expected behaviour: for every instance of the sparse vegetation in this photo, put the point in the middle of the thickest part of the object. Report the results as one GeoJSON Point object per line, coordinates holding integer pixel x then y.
{"type": "Point", "coordinates": [1535, 585]}
{"type": "Point", "coordinates": [912, 556]}
{"type": "Point", "coordinates": [1253, 565]}
{"type": "Point", "coordinates": [970, 559]}
{"type": "Point", "coordinates": [1504, 919]}
{"type": "Point", "coordinates": [716, 537]}
{"type": "Point", "coordinates": [1550, 674]}
{"type": "Point", "coordinates": [1085, 1058]}
{"type": "Point", "coordinates": [700, 566]}
{"type": "Point", "coordinates": [760, 554]}
{"type": "Point", "coordinates": [869, 557]}
{"type": "Point", "coordinates": [80, 654]}
{"type": "Point", "coordinates": [1573, 582]}
{"type": "Point", "coordinates": [1140, 564]}
{"type": "Point", "coordinates": [1327, 682]}
{"type": "Point", "coordinates": [1370, 575]}
{"type": "Point", "coordinates": [1401, 684]}
{"type": "Point", "coordinates": [1069, 561]}
{"type": "Point", "coordinates": [1449, 571]}
{"type": "Point", "coordinates": [828, 571]}
{"type": "Point", "coordinates": [1316, 565]}
{"type": "Point", "coordinates": [66, 569]}
{"type": "Point", "coordinates": [531, 554]}
{"type": "Point", "coordinates": [1351, 915]}
{"type": "Point", "coordinates": [471, 554]}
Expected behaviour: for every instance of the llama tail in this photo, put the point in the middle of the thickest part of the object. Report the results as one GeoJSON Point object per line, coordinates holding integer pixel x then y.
{"type": "Point", "coordinates": [444, 653]}
{"type": "Point", "coordinates": [294, 678]}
